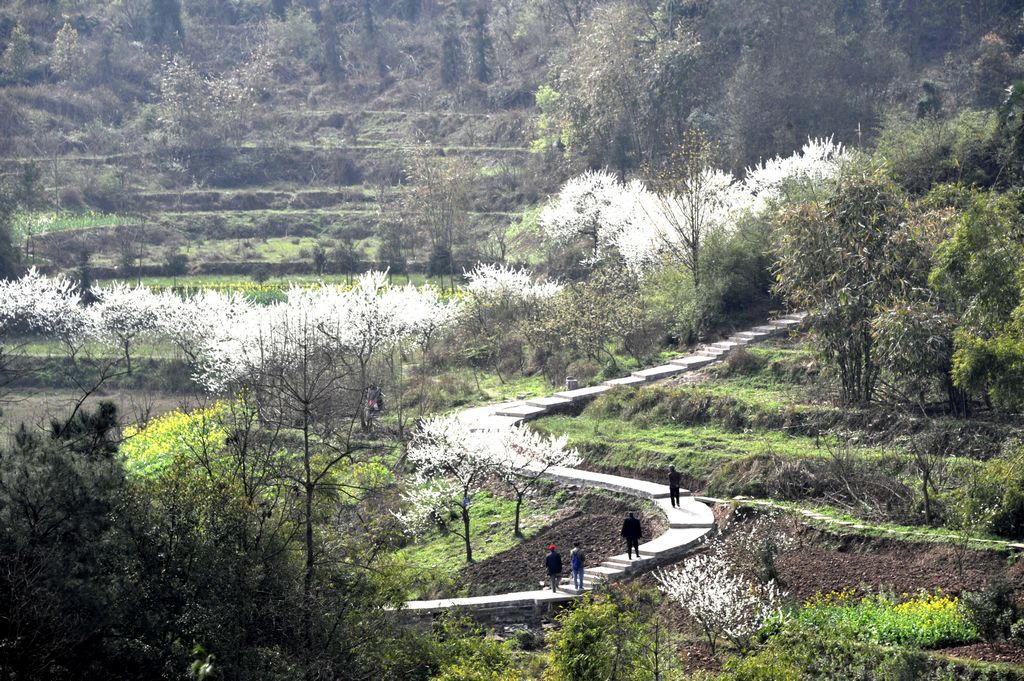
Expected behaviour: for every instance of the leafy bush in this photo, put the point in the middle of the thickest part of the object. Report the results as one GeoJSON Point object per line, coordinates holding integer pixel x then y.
{"type": "Point", "coordinates": [800, 651]}
{"type": "Point", "coordinates": [607, 635]}
{"type": "Point", "coordinates": [996, 496]}
{"type": "Point", "coordinates": [993, 610]}
{"type": "Point", "coordinates": [928, 620]}
{"type": "Point", "coordinates": [741, 362]}
{"type": "Point", "coordinates": [462, 652]}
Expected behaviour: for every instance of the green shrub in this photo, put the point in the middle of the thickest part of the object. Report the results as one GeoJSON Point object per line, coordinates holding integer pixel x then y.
{"type": "Point", "coordinates": [741, 362]}
{"type": "Point", "coordinates": [463, 652]}
{"type": "Point", "coordinates": [605, 636]}
{"type": "Point", "coordinates": [993, 610]}
{"type": "Point", "coordinates": [528, 639]}
{"type": "Point", "coordinates": [805, 652]}
{"type": "Point", "coordinates": [996, 496]}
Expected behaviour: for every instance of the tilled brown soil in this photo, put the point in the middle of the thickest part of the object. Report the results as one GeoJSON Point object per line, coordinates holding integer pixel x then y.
{"type": "Point", "coordinates": [1001, 651]}
{"type": "Point", "coordinates": [824, 563]}
{"type": "Point", "coordinates": [596, 524]}
{"type": "Point", "coordinates": [821, 562]}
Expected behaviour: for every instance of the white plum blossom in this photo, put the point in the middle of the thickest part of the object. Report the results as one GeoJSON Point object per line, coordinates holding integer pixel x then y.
{"type": "Point", "coordinates": [46, 305]}
{"type": "Point", "coordinates": [818, 163]}
{"type": "Point", "coordinates": [680, 222]}
{"type": "Point", "coordinates": [225, 336]}
{"type": "Point", "coordinates": [365, 320]}
{"type": "Point", "coordinates": [722, 602]}
{"type": "Point", "coordinates": [487, 282]}
{"type": "Point", "coordinates": [420, 313]}
{"type": "Point", "coordinates": [594, 206]}
{"type": "Point", "coordinates": [522, 456]}
{"type": "Point", "coordinates": [429, 505]}
{"type": "Point", "coordinates": [191, 322]}
{"type": "Point", "coordinates": [447, 448]}
{"type": "Point", "coordinates": [124, 314]}
{"type": "Point", "coordinates": [644, 225]}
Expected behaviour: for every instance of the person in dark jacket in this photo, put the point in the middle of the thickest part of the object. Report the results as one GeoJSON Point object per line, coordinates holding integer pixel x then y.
{"type": "Point", "coordinates": [632, 531]}
{"type": "Point", "coordinates": [553, 562]}
{"type": "Point", "coordinates": [674, 479]}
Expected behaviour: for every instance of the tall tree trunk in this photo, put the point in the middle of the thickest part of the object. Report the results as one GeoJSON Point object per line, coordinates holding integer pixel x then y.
{"type": "Point", "coordinates": [307, 577]}
{"type": "Point", "coordinates": [925, 478]}
{"type": "Point", "coordinates": [465, 530]}
{"type": "Point", "coordinates": [519, 504]}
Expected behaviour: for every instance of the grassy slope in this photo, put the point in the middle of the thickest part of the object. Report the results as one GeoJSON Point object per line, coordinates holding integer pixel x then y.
{"type": "Point", "coordinates": [436, 558]}
{"type": "Point", "coordinates": [647, 429]}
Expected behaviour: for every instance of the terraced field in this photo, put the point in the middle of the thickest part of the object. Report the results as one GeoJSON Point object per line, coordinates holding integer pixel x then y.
{"type": "Point", "coordinates": [329, 181]}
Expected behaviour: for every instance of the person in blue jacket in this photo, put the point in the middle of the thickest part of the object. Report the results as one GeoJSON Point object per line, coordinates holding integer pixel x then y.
{"type": "Point", "coordinates": [577, 558]}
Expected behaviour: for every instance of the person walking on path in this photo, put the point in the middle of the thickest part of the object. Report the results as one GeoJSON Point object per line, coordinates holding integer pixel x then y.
{"type": "Point", "coordinates": [553, 562]}
{"type": "Point", "coordinates": [674, 478]}
{"type": "Point", "coordinates": [632, 531]}
{"type": "Point", "coordinates": [577, 558]}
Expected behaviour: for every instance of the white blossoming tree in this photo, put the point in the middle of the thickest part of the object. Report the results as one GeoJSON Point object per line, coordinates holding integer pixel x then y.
{"type": "Point", "coordinates": [49, 306]}
{"type": "Point", "coordinates": [594, 207]}
{"type": "Point", "coordinates": [810, 172]}
{"type": "Point", "coordinates": [452, 462]}
{"type": "Point", "coordinates": [421, 318]}
{"type": "Point", "coordinates": [498, 300]}
{"type": "Point", "coordinates": [523, 456]}
{"type": "Point", "coordinates": [37, 304]}
{"type": "Point", "coordinates": [303, 366]}
{"type": "Point", "coordinates": [190, 323]}
{"type": "Point", "coordinates": [721, 602]}
{"type": "Point", "coordinates": [124, 315]}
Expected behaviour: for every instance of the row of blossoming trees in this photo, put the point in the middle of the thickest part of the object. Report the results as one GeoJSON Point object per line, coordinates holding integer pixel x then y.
{"type": "Point", "coordinates": [303, 366]}
{"type": "Point", "coordinates": [280, 464]}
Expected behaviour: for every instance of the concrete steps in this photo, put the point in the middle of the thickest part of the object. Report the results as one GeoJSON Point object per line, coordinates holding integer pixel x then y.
{"type": "Point", "coordinates": [693, 362]}
{"type": "Point", "coordinates": [659, 372]}
{"type": "Point", "coordinates": [583, 394]}
{"type": "Point", "coordinates": [626, 380]}
{"type": "Point", "coordinates": [688, 525]}
{"type": "Point", "coordinates": [548, 402]}
{"type": "Point", "coordinates": [523, 411]}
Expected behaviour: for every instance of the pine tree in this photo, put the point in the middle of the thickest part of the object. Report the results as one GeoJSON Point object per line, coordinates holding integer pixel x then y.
{"type": "Point", "coordinates": [15, 60]}
{"type": "Point", "coordinates": [453, 61]}
{"type": "Point", "coordinates": [165, 24]}
{"type": "Point", "coordinates": [483, 46]}
{"type": "Point", "coordinates": [66, 59]}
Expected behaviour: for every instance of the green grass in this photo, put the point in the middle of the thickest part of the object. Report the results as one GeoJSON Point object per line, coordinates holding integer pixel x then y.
{"type": "Point", "coordinates": [838, 520]}
{"type": "Point", "coordinates": [493, 389]}
{"type": "Point", "coordinates": [438, 557]}
{"type": "Point", "coordinates": [697, 450]}
{"type": "Point", "coordinates": [46, 223]}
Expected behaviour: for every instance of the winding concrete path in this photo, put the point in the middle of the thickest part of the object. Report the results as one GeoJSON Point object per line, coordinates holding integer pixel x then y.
{"type": "Point", "coordinates": [688, 525]}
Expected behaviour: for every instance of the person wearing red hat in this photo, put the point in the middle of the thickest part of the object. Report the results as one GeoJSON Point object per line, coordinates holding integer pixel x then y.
{"type": "Point", "coordinates": [553, 562]}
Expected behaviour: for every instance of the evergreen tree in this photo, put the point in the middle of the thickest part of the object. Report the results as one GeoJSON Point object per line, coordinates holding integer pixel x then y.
{"type": "Point", "coordinates": [165, 24]}
{"type": "Point", "coordinates": [66, 60]}
{"type": "Point", "coordinates": [15, 60]}
{"type": "Point", "coordinates": [453, 60]}
{"type": "Point", "coordinates": [10, 265]}
{"type": "Point", "coordinates": [483, 46]}
{"type": "Point", "coordinates": [63, 579]}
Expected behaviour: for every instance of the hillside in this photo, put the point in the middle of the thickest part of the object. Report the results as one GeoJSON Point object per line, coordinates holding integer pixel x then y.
{"type": "Point", "coordinates": [326, 324]}
{"type": "Point", "coordinates": [252, 137]}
